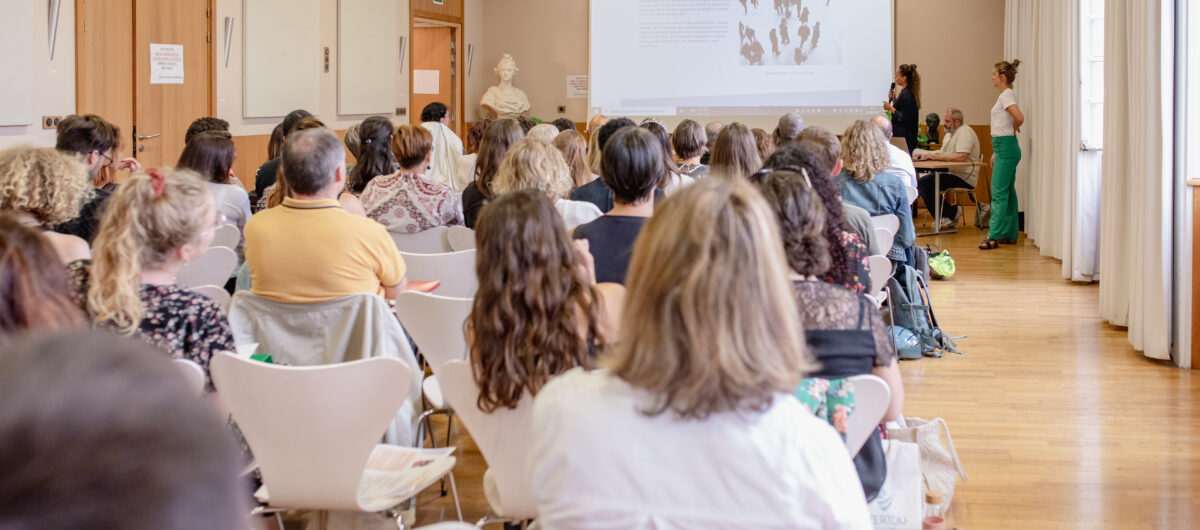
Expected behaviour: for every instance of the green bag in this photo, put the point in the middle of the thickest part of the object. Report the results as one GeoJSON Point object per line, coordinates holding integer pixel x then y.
{"type": "Point", "coordinates": [941, 265]}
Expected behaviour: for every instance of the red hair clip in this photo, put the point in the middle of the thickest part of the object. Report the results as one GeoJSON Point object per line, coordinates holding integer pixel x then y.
{"type": "Point", "coordinates": [158, 180]}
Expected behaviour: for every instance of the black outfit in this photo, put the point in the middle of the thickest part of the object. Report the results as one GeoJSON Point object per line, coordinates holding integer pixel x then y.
{"type": "Point", "coordinates": [925, 189]}
{"type": "Point", "coordinates": [595, 192]}
{"type": "Point", "coordinates": [88, 222]}
{"type": "Point", "coordinates": [472, 202]}
{"type": "Point", "coordinates": [265, 176]}
{"type": "Point", "coordinates": [905, 118]}
{"type": "Point", "coordinates": [611, 239]}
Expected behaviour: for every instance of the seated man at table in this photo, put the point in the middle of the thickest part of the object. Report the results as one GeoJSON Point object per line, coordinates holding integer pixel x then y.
{"type": "Point", "coordinates": [959, 145]}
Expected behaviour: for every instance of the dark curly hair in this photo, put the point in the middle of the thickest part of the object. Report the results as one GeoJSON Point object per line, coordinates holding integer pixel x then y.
{"type": "Point", "coordinates": [802, 215]}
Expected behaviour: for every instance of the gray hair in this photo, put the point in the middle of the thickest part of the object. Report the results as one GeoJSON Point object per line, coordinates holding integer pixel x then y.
{"type": "Point", "coordinates": [789, 128]}
{"type": "Point", "coordinates": [956, 114]}
{"type": "Point", "coordinates": [310, 158]}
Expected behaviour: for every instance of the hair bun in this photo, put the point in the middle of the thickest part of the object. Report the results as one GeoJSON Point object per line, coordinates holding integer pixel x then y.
{"type": "Point", "coordinates": [1015, 63]}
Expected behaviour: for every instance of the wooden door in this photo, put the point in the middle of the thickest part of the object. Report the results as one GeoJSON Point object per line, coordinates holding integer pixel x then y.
{"type": "Point", "coordinates": [433, 49]}
{"type": "Point", "coordinates": [104, 62]}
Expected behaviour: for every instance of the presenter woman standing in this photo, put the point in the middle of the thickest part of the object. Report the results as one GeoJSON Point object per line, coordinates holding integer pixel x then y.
{"type": "Point", "coordinates": [904, 106]}
{"type": "Point", "coordinates": [1006, 123]}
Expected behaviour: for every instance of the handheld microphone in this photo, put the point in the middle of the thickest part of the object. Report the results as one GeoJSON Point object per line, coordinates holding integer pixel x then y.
{"type": "Point", "coordinates": [892, 92]}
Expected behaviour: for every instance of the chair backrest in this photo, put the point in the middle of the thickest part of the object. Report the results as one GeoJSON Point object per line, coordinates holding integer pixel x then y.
{"type": "Point", "coordinates": [881, 270]}
{"type": "Point", "coordinates": [503, 437]}
{"type": "Point", "coordinates": [217, 293]}
{"type": "Point", "coordinates": [886, 238]}
{"type": "Point", "coordinates": [456, 271]}
{"type": "Point", "coordinates": [312, 429]}
{"type": "Point", "coordinates": [193, 373]}
{"type": "Point", "coordinates": [871, 399]}
{"type": "Point", "coordinates": [214, 267]}
{"type": "Point", "coordinates": [432, 241]}
{"type": "Point", "coordinates": [912, 193]}
{"type": "Point", "coordinates": [226, 236]}
{"type": "Point", "coordinates": [460, 238]}
{"type": "Point", "coordinates": [900, 142]}
{"type": "Point", "coordinates": [887, 221]}
{"type": "Point", "coordinates": [437, 324]}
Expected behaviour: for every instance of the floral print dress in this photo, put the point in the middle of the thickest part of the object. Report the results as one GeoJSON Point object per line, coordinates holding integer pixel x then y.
{"type": "Point", "coordinates": [407, 203]}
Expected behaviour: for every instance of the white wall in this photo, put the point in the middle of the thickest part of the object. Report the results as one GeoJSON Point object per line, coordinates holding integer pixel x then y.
{"type": "Point", "coordinates": [54, 81]}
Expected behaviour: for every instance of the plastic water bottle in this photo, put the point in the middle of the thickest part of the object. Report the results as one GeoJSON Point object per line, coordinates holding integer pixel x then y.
{"type": "Point", "coordinates": [933, 512]}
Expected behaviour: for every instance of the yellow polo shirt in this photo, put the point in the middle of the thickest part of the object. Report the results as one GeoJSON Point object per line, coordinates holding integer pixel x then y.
{"type": "Point", "coordinates": [306, 251]}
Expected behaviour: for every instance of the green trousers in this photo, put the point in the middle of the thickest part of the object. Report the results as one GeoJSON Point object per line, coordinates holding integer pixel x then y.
{"type": "Point", "coordinates": [1004, 195]}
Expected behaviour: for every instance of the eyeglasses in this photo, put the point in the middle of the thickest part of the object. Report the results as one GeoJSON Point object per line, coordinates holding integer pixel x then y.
{"type": "Point", "coordinates": [758, 175]}
{"type": "Point", "coordinates": [106, 157]}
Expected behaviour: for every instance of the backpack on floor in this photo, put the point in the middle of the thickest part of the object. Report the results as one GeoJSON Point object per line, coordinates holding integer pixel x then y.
{"type": "Point", "coordinates": [912, 309]}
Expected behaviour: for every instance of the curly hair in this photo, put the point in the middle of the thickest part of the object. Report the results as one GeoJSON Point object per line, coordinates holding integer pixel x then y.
{"type": "Point", "coordinates": [48, 184]}
{"type": "Point", "coordinates": [535, 307]}
{"type": "Point", "coordinates": [33, 282]}
{"type": "Point", "coordinates": [909, 71]}
{"type": "Point", "coordinates": [864, 151]}
{"type": "Point", "coordinates": [802, 215]}
{"type": "Point", "coordinates": [532, 163]}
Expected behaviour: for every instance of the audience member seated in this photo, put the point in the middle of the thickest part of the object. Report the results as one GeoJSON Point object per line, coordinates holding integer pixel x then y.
{"type": "Point", "coordinates": [866, 181]}
{"type": "Point", "coordinates": [596, 192]}
{"type": "Point", "coordinates": [500, 136]}
{"type": "Point", "coordinates": [900, 160]}
{"type": "Point", "coordinates": [310, 249]}
{"type": "Point", "coordinates": [850, 266]}
{"type": "Point", "coordinates": [374, 157]}
{"type": "Point", "coordinates": [464, 172]}
{"type": "Point", "coordinates": [407, 202]}
{"type": "Point", "coordinates": [532, 163]}
{"type": "Point", "coordinates": [673, 179]}
{"type": "Point", "coordinates": [789, 127]}
{"type": "Point", "coordinates": [155, 223]}
{"type": "Point", "coordinates": [734, 153]}
{"type": "Point", "coordinates": [633, 166]}
{"type": "Point", "coordinates": [564, 124]}
{"type": "Point", "coordinates": [43, 188]}
{"type": "Point", "coordinates": [824, 145]}
{"type": "Point", "coordinates": [207, 124]}
{"type": "Point", "coordinates": [97, 144]}
{"type": "Point", "coordinates": [211, 155]}
{"type": "Point", "coordinates": [703, 376]}
{"type": "Point", "coordinates": [447, 147]}
{"type": "Point", "coordinates": [101, 432]}
{"type": "Point", "coordinates": [353, 144]}
{"type": "Point", "coordinates": [35, 289]}
{"type": "Point", "coordinates": [280, 189]}
{"type": "Point", "coordinates": [593, 156]}
{"type": "Point", "coordinates": [711, 130]}
{"type": "Point", "coordinates": [960, 144]}
{"type": "Point", "coordinates": [265, 176]}
{"type": "Point", "coordinates": [544, 132]}
{"type": "Point", "coordinates": [689, 142]}
{"type": "Point", "coordinates": [573, 147]}
{"type": "Point", "coordinates": [538, 311]}
{"type": "Point", "coordinates": [764, 142]}
{"type": "Point", "coordinates": [844, 330]}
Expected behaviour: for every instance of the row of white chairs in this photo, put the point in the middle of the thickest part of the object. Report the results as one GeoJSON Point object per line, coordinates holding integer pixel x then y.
{"type": "Point", "coordinates": [436, 240]}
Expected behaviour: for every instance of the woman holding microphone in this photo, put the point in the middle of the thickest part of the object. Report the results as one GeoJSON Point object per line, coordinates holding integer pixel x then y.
{"type": "Point", "coordinates": [1006, 154]}
{"type": "Point", "coordinates": [905, 105]}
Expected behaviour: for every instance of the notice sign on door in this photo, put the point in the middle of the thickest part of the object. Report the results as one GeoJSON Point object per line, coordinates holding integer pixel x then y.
{"type": "Point", "coordinates": [166, 64]}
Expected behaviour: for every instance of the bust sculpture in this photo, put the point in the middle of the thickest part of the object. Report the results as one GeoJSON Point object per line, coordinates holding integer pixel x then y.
{"type": "Point", "coordinates": [932, 121]}
{"type": "Point", "coordinates": [504, 99]}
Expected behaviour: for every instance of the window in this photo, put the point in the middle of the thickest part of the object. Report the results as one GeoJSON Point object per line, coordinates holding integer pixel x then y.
{"type": "Point", "coordinates": [1091, 73]}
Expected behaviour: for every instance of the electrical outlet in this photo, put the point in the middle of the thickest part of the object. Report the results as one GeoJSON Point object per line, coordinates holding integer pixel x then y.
{"type": "Point", "coordinates": [50, 122]}
{"type": "Point", "coordinates": [401, 111]}
{"type": "Point", "coordinates": [562, 109]}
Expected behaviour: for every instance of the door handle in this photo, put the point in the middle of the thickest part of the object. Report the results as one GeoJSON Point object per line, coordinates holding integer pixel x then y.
{"type": "Point", "coordinates": [148, 136]}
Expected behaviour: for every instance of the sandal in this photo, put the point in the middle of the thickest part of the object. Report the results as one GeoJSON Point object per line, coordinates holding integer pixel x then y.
{"type": "Point", "coordinates": [989, 244]}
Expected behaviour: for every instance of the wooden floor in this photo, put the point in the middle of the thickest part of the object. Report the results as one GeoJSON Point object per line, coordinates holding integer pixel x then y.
{"type": "Point", "coordinates": [1058, 421]}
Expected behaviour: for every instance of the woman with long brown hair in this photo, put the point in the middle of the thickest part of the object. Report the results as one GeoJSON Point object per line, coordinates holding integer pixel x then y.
{"type": "Point", "coordinates": [464, 171]}
{"type": "Point", "coordinates": [905, 106]}
{"type": "Point", "coordinates": [573, 147]}
{"type": "Point", "coordinates": [500, 135]}
{"type": "Point", "coordinates": [734, 153]}
{"type": "Point", "coordinates": [33, 282]}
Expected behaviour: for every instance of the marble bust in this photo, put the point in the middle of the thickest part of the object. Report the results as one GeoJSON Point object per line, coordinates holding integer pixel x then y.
{"type": "Point", "coordinates": [504, 99]}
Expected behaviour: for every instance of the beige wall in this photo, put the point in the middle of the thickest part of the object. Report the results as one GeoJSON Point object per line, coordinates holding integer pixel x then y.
{"type": "Point", "coordinates": [54, 81]}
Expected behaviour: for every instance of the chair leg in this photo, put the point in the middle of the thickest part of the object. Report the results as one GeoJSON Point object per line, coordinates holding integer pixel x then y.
{"type": "Point", "coordinates": [454, 489]}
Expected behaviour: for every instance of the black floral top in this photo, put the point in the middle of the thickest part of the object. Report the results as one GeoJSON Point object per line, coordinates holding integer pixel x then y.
{"type": "Point", "coordinates": [856, 252]}
{"type": "Point", "coordinates": [185, 324]}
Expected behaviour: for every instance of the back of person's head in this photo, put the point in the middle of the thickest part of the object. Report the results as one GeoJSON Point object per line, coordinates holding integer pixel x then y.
{"type": "Point", "coordinates": [735, 154]}
{"type": "Point", "coordinates": [83, 133]}
{"type": "Point", "coordinates": [565, 124]}
{"type": "Point", "coordinates": [884, 124]}
{"type": "Point", "coordinates": [375, 136]}
{"type": "Point", "coordinates": [207, 124]}
{"type": "Point", "coordinates": [500, 136]}
{"type": "Point", "coordinates": [823, 144]}
{"type": "Point", "coordinates": [662, 134]}
{"type": "Point", "coordinates": [433, 112]}
{"type": "Point", "coordinates": [573, 147]}
{"type": "Point", "coordinates": [275, 143]}
{"type": "Point", "coordinates": [352, 140]}
{"type": "Point", "coordinates": [864, 151]}
{"type": "Point", "coordinates": [789, 127]}
{"type": "Point", "coordinates": [533, 164]}
{"type": "Point", "coordinates": [527, 123]}
{"type": "Point", "coordinates": [544, 132]}
{"type": "Point", "coordinates": [145, 224]}
{"type": "Point", "coordinates": [33, 282]}
{"type": "Point", "coordinates": [711, 130]}
{"type": "Point", "coordinates": [1008, 70]}
{"type": "Point", "coordinates": [534, 303]}
{"type": "Point", "coordinates": [48, 184]}
{"type": "Point", "coordinates": [595, 123]}
{"type": "Point", "coordinates": [633, 165]}
{"type": "Point", "coordinates": [710, 324]}
{"type": "Point", "coordinates": [475, 135]}
{"type": "Point", "coordinates": [208, 154]}
{"type": "Point", "coordinates": [909, 71]}
{"type": "Point", "coordinates": [610, 128]}
{"type": "Point", "coordinates": [289, 122]}
{"type": "Point", "coordinates": [764, 141]}
{"type": "Point", "coordinates": [100, 431]}
{"type": "Point", "coordinates": [310, 159]}
{"type": "Point", "coordinates": [689, 140]}
{"type": "Point", "coordinates": [801, 214]}
{"type": "Point", "coordinates": [412, 145]}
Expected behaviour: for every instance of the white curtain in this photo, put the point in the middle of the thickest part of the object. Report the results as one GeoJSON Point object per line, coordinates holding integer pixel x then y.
{"type": "Point", "coordinates": [1139, 149]}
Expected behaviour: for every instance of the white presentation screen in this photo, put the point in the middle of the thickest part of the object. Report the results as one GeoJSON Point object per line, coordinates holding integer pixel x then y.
{"type": "Point", "coordinates": [739, 57]}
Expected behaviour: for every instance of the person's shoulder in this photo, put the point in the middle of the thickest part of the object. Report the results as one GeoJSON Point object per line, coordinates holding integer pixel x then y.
{"type": "Point", "coordinates": [572, 386]}
{"type": "Point", "coordinates": [590, 192]}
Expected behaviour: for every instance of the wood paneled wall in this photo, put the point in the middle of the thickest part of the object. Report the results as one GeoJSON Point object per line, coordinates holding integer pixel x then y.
{"type": "Point", "coordinates": [252, 152]}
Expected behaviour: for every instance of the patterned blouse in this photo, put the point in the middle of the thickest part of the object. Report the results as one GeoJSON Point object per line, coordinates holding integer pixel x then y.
{"type": "Point", "coordinates": [185, 324]}
{"type": "Point", "coordinates": [856, 252]}
{"type": "Point", "coordinates": [408, 203]}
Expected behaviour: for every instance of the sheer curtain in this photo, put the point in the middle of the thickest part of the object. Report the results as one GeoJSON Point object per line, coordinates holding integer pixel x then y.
{"type": "Point", "coordinates": [1138, 172]}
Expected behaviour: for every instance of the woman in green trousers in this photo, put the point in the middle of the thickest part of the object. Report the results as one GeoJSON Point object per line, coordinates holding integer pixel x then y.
{"type": "Point", "coordinates": [1006, 154]}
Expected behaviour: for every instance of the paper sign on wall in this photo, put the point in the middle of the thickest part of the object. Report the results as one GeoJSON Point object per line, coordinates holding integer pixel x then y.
{"type": "Point", "coordinates": [426, 81]}
{"type": "Point", "coordinates": [166, 64]}
{"type": "Point", "coordinates": [577, 87]}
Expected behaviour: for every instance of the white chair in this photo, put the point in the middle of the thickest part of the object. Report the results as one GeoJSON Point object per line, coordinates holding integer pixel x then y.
{"type": "Point", "coordinates": [214, 267]}
{"type": "Point", "coordinates": [886, 239]}
{"type": "Point", "coordinates": [217, 293]}
{"type": "Point", "coordinates": [881, 270]}
{"type": "Point", "coordinates": [503, 437]}
{"type": "Point", "coordinates": [226, 236]}
{"type": "Point", "coordinates": [912, 193]}
{"type": "Point", "coordinates": [193, 373]}
{"type": "Point", "coordinates": [460, 238]}
{"type": "Point", "coordinates": [432, 241]}
{"type": "Point", "coordinates": [871, 400]}
{"type": "Point", "coordinates": [456, 271]}
{"type": "Point", "coordinates": [436, 324]}
{"type": "Point", "coordinates": [887, 221]}
{"type": "Point", "coordinates": [315, 432]}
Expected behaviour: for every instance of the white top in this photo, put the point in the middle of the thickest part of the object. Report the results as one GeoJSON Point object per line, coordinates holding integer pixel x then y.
{"type": "Point", "coordinates": [575, 213]}
{"type": "Point", "coordinates": [964, 140]}
{"type": "Point", "coordinates": [1002, 121]}
{"type": "Point", "coordinates": [678, 181]}
{"type": "Point", "coordinates": [464, 173]}
{"type": "Point", "coordinates": [447, 149]}
{"type": "Point", "coordinates": [233, 201]}
{"type": "Point", "coordinates": [903, 162]}
{"type": "Point", "coordinates": [599, 463]}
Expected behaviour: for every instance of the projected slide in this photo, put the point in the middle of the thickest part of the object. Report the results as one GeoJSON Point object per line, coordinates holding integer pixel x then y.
{"type": "Point", "coordinates": [739, 57]}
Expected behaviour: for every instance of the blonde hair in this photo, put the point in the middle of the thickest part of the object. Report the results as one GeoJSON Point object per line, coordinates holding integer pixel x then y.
{"type": "Point", "coordinates": [544, 132]}
{"type": "Point", "coordinates": [43, 182]}
{"type": "Point", "coordinates": [1008, 70]}
{"type": "Point", "coordinates": [594, 155]}
{"type": "Point", "coordinates": [710, 323]}
{"type": "Point", "coordinates": [532, 163]}
{"type": "Point", "coordinates": [864, 151]}
{"type": "Point", "coordinates": [140, 229]}
{"type": "Point", "coordinates": [573, 147]}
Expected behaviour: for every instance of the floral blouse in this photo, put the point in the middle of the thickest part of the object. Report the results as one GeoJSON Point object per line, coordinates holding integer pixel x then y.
{"type": "Point", "coordinates": [856, 251]}
{"type": "Point", "coordinates": [185, 324]}
{"type": "Point", "coordinates": [408, 203]}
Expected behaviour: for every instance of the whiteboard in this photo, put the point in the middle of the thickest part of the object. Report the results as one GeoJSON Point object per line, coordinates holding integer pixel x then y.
{"type": "Point", "coordinates": [16, 38]}
{"type": "Point", "coordinates": [282, 57]}
{"type": "Point", "coordinates": [368, 56]}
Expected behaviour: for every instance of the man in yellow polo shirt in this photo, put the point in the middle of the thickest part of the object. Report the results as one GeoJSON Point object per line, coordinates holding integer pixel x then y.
{"type": "Point", "coordinates": [309, 249]}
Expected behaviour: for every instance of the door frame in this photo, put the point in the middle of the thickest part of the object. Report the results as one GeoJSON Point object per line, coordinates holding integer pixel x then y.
{"type": "Point", "coordinates": [458, 103]}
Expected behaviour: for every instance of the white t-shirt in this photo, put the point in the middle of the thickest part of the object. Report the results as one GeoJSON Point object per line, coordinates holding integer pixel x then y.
{"type": "Point", "coordinates": [1002, 122]}
{"type": "Point", "coordinates": [903, 162]}
{"type": "Point", "coordinates": [447, 149]}
{"type": "Point", "coordinates": [464, 172]}
{"type": "Point", "coordinates": [600, 463]}
{"type": "Point", "coordinates": [962, 140]}
{"type": "Point", "coordinates": [575, 213]}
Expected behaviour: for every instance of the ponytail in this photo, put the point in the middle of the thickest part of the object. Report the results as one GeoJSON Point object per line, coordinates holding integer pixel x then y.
{"type": "Point", "coordinates": [1008, 70]}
